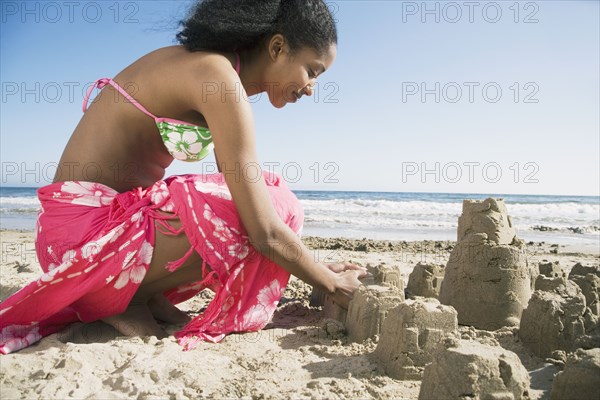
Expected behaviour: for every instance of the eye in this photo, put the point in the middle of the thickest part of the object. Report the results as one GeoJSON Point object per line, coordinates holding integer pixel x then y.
{"type": "Point", "coordinates": [311, 74]}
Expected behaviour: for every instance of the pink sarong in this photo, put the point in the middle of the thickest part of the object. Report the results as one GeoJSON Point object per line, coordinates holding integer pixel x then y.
{"type": "Point", "coordinates": [95, 246]}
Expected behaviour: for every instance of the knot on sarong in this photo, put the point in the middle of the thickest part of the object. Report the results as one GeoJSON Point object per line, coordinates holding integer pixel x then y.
{"type": "Point", "coordinates": [124, 205]}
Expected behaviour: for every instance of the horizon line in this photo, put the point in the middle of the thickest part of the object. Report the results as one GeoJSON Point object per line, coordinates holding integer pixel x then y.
{"type": "Point", "coordinates": [390, 191]}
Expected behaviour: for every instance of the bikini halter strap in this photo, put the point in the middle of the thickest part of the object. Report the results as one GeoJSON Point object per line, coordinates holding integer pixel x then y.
{"type": "Point", "coordinates": [103, 82]}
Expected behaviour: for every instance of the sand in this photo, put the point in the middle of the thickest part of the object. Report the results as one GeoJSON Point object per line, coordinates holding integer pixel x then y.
{"type": "Point", "coordinates": [299, 355]}
{"type": "Point", "coordinates": [487, 279]}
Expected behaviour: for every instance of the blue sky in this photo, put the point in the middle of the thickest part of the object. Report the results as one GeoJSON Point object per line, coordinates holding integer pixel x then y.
{"type": "Point", "coordinates": [488, 97]}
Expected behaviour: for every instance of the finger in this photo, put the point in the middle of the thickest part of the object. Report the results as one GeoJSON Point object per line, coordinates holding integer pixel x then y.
{"type": "Point", "coordinates": [357, 274]}
{"type": "Point", "coordinates": [354, 267]}
{"type": "Point", "coordinates": [336, 267]}
{"type": "Point", "coordinates": [363, 274]}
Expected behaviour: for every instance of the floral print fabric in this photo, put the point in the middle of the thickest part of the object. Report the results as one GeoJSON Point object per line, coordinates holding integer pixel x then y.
{"type": "Point", "coordinates": [95, 245]}
{"type": "Point", "coordinates": [186, 142]}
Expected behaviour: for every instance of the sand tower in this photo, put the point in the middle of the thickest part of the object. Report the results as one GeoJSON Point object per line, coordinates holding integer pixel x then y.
{"type": "Point", "coordinates": [556, 316]}
{"type": "Point", "coordinates": [487, 278]}
{"type": "Point", "coordinates": [464, 369]}
{"type": "Point", "coordinates": [425, 280]}
{"type": "Point", "coordinates": [411, 334]}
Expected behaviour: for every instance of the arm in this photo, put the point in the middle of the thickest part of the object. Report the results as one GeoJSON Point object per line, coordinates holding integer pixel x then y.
{"type": "Point", "coordinates": [232, 127]}
{"type": "Point", "coordinates": [337, 280]}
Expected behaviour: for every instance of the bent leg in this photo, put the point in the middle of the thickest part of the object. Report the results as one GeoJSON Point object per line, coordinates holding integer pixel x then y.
{"type": "Point", "coordinates": [149, 302]}
{"type": "Point", "coordinates": [136, 320]}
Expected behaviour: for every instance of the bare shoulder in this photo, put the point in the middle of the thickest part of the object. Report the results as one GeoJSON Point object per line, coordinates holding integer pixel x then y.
{"type": "Point", "coordinates": [214, 80]}
{"type": "Point", "coordinates": [212, 64]}
{"type": "Point", "coordinates": [179, 81]}
{"type": "Point", "coordinates": [200, 74]}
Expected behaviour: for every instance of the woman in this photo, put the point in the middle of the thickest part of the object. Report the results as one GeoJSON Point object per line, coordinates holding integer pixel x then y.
{"type": "Point", "coordinates": [119, 243]}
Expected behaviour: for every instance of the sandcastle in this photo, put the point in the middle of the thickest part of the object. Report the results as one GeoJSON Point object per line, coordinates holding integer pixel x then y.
{"type": "Point", "coordinates": [588, 280]}
{"type": "Point", "coordinates": [464, 369]}
{"type": "Point", "coordinates": [368, 310]}
{"type": "Point", "coordinates": [487, 278]}
{"type": "Point", "coordinates": [411, 333]}
{"type": "Point", "coordinates": [488, 284]}
{"type": "Point", "coordinates": [557, 317]}
{"type": "Point", "coordinates": [385, 275]}
{"type": "Point", "coordinates": [553, 320]}
{"type": "Point", "coordinates": [388, 283]}
{"type": "Point", "coordinates": [580, 379]}
{"type": "Point", "coordinates": [551, 277]}
{"type": "Point", "coordinates": [425, 280]}
{"type": "Point", "coordinates": [551, 269]}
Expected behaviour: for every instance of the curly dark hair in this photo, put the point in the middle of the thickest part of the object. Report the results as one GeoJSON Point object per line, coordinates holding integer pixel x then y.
{"type": "Point", "coordinates": [239, 25]}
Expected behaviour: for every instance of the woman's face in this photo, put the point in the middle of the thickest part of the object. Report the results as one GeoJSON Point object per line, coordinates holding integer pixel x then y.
{"type": "Point", "coordinates": [294, 76]}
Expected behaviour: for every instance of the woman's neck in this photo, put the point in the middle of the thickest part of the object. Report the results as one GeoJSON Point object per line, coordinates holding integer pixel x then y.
{"type": "Point", "coordinates": [252, 67]}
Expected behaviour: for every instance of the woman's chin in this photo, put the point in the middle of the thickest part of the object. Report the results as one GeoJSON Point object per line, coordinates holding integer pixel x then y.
{"type": "Point", "coordinates": [280, 103]}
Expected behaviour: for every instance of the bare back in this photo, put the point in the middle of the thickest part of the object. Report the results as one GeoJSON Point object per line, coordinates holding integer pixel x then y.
{"type": "Point", "coordinates": [118, 145]}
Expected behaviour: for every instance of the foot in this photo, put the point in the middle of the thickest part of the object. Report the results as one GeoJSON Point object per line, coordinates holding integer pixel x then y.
{"type": "Point", "coordinates": [163, 310]}
{"type": "Point", "coordinates": [136, 320]}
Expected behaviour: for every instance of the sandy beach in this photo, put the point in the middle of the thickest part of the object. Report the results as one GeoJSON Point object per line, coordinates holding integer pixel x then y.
{"type": "Point", "coordinates": [297, 356]}
{"type": "Point", "coordinates": [451, 149]}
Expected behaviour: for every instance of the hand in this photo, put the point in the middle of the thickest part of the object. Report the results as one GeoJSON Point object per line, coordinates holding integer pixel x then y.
{"type": "Point", "coordinates": [344, 266]}
{"type": "Point", "coordinates": [347, 282]}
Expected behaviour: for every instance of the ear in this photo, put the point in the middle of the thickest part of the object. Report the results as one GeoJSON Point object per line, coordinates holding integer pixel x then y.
{"type": "Point", "coordinates": [277, 46]}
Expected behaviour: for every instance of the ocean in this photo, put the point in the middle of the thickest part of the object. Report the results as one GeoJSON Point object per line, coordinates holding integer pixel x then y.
{"type": "Point", "coordinates": [568, 220]}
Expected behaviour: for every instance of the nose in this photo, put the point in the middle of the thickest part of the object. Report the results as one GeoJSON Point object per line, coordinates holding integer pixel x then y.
{"type": "Point", "coordinates": [309, 90]}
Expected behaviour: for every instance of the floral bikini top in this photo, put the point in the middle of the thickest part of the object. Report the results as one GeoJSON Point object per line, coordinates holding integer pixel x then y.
{"type": "Point", "coordinates": [185, 142]}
